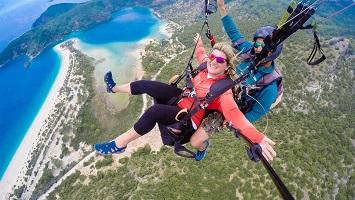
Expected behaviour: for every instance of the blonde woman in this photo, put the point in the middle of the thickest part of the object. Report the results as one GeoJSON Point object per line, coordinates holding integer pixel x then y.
{"type": "Point", "coordinates": [199, 139]}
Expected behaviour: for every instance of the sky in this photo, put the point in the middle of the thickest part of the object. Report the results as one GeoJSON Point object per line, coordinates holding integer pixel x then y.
{"type": "Point", "coordinates": [17, 16]}
{"type": "Point", "coordinates": [10, 6]}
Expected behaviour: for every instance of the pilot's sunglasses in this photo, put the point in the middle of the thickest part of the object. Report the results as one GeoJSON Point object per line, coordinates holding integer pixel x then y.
{"type": "Point", "coordinates": [218, 59]}
{"type": "Point", "coordinates": [257, 45]}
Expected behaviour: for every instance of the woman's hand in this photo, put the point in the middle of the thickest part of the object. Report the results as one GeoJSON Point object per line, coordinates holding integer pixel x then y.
{"type": "Point", "coordinates": [220, 3]}
{"type": "Point", "coordinates": [221, 7]}
{"type": "Point", "coordinates": [197, 37]}
{"type": "Point", "coordinates": [268, 152]}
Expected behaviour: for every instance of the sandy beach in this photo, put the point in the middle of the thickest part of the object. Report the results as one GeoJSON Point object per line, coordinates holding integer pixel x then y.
{"type": "Point", "coordinates": [17, 168]}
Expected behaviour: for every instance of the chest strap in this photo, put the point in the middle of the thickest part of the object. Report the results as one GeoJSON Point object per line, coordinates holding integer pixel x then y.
{"type": "Point", "coordinates": [216, 90]}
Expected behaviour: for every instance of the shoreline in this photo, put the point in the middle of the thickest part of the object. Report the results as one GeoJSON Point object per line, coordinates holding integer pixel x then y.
{"type": "Point", "coordinates": [18, 165]}
{"type": "Point", "coordinates": [115, 105]}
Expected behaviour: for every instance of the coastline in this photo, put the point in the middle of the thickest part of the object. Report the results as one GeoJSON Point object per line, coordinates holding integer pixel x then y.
{"type": "Point", "coordinates": [16, 171]}
{"type": "Point", "coordinates": [139, 52]}
{"type": "Point", "coordinates": [18, 165]}
{"type": "Point", "coordinates": [116, 103]}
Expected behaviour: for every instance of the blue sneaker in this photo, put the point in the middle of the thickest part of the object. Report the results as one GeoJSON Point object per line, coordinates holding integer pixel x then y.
{"type": "Point", "coordinates": [109, 148]}
{"type": "Point", "coordinates": [109, 82]}
{"type": "Point", "coordinates": [201, 154]}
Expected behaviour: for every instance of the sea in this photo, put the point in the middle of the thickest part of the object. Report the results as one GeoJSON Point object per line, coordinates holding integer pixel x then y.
{"type": "Point", "coordinates": [24, 90]}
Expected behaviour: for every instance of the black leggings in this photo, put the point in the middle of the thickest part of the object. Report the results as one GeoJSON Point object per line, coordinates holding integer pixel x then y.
{"type": "Point", "coordinates": [159, 112]}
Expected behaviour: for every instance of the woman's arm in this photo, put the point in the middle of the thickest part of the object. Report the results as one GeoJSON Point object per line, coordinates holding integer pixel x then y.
{"type": "Point", "coordinates": [235, 116]}
{"type": "Point", "coordinates": [232, 31]}
{"type": "Point", "coordinates": [221, 7]}
{"type": "Point", "coordinates": [201, 54]}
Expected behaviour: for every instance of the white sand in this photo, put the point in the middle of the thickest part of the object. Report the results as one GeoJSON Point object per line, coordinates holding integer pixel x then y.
{"type": "Point", "coordinates": [17, 168]}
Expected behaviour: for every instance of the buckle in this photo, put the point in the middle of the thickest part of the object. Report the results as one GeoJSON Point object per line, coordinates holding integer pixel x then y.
{"type": "Point", "coordinates": [182, 112]}
{"type": "Point", "coordinates": [203, 104]}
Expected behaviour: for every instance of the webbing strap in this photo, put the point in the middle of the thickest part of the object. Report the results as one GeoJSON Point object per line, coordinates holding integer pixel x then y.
{"type": "Point", "coordinates": [190, 87]}
{"type": "Point", "coordinates": [215, 91]}
{"type": "Point", "coordinates": [316, 48]}
{"type": "Point", "coordinates": [208, 10]}
{"type": "Point", "coordinates": [183, 151]}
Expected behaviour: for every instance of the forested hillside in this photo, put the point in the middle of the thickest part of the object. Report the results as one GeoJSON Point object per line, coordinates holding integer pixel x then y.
{"type": "Point", "coordinates": [313, 126]}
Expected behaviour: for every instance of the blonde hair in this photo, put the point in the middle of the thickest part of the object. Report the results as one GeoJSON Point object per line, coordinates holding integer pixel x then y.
{"type": "Point", "coordinates": [232, 59]}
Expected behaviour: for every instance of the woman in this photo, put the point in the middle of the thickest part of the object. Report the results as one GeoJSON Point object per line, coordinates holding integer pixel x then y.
{"type": "Point", "coordinates": [257, 102]}
{"type": "Point", "coordinates": [219, 64]}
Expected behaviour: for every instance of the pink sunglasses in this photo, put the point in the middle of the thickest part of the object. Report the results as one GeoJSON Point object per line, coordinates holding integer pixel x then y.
{"type": "Point", "coordinates": [218, 59]}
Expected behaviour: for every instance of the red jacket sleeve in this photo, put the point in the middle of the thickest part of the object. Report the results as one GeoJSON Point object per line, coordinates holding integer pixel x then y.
{"type": "Point", "coordinates": [232, 114]}
{"type": "Point", "coordinates": [201, 54]}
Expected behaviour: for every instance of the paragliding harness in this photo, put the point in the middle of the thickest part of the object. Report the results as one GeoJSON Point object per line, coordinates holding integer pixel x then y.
{"type": "Point", "coordinates": [241, 95]}
{"type": "Point", "coordinates": [178, 134]}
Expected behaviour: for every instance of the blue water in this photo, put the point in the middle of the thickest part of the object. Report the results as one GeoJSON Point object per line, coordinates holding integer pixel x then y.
{"type": "Point", "coordinates": [23, 91]}
{"type": "Point", "coordinates": [128, 25]}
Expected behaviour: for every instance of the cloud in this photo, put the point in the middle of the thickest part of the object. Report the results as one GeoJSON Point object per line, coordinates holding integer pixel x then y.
{"type": "Point", "coordinates": [13, 5]}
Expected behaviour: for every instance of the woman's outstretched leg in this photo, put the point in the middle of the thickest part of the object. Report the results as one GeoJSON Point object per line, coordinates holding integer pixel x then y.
{"type": "Point", "coordinates": [199, 140]}
{"type": "Point", "coordinates": [112, 87]}
{"type": "Point", "coordinates": [158, 113]}
{"type": "Point", "coordinates": [161, 92]}
{"type": "Point", "coordinates": [125, 88]}
{"type": "Point", "coordinates": [117, 145]}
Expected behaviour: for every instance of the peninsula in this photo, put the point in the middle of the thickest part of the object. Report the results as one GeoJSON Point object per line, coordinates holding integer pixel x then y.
{"type": "Point", "coordinates": [62, 19]}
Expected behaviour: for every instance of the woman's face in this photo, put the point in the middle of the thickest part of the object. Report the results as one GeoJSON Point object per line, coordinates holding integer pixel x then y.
{"type": "Point", "coordinates": [218, 63]}
{"type": "Point", "coordinates": [258, 45]}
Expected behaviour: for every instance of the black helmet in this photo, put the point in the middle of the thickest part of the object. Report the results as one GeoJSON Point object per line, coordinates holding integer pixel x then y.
{"type": "Point", "coordinates": [263, 32]}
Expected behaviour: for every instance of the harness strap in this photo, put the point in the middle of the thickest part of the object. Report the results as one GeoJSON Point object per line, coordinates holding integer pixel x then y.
{"type": "Point", "coordinates": [216, 90]}
{"type": "Point", "coordinates": [236, 43]}
{"type": "Point", "coordinates": [183, 151]}
{"type": "Point", "coordinates": [245, 95]}
{"type": "Point", "coordinates": [210, 36]}
{"type": "Point", "coordinates": [191, 113]}
{"type": "Point", "coordinates": [316, 47]}
{"type": "Point", "coordinates": [191, 93]}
